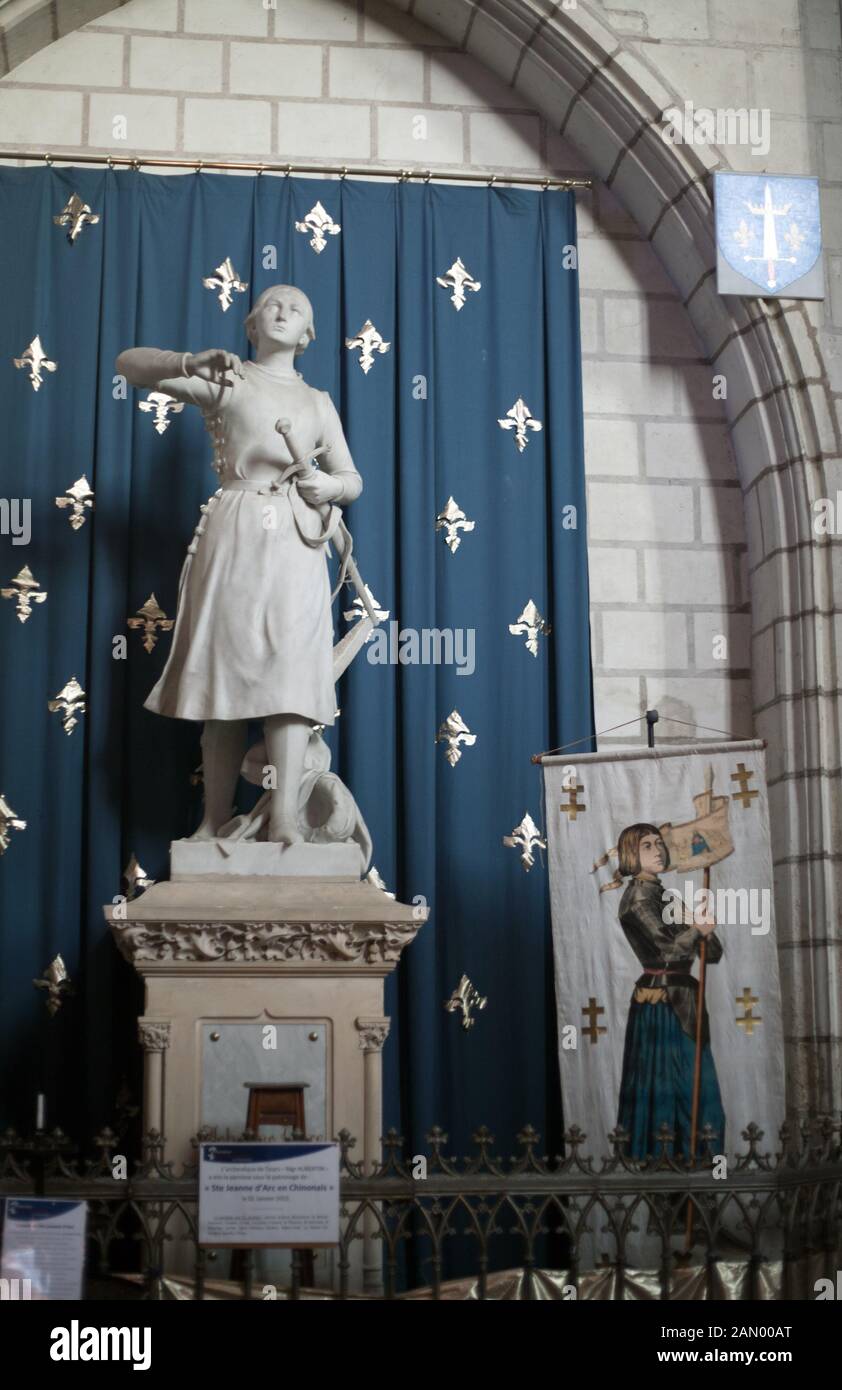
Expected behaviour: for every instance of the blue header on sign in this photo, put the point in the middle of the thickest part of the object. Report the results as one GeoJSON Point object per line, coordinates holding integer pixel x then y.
{"type": "Point", "coordinates": [258, 1153]}
{"type": "Point", "coordinates": [37, 1208]}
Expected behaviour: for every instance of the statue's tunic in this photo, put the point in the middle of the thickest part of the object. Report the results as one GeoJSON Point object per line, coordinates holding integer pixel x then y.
{"type": "Point", "coordinates": [254, 631]}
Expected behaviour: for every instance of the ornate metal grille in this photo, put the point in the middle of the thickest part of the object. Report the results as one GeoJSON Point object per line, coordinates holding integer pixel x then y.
{"type": "Point", "coordinates": [781, 1210]}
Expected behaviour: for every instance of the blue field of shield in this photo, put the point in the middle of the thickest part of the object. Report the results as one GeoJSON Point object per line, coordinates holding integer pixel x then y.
{"type": "Point", "coordinates": [768, 227]}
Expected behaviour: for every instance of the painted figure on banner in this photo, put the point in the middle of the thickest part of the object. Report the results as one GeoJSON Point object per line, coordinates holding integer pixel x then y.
{"type": "Point", "coordinates": [660, 1043]}
{"type": "Point", "coordinates": [253, 637]}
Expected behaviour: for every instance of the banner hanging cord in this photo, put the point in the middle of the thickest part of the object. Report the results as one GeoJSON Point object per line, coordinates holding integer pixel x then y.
{"type": "Point", "coordinates": [574, 742]}
{"type": "Point", "coordinates": [548, 752]}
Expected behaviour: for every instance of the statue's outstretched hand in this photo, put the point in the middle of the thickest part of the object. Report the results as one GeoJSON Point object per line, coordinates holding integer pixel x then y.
{"type": "Point", "coordinates": [214, 364]}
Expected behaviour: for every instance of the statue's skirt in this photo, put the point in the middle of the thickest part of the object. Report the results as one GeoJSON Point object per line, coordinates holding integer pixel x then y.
{"type": "Point", "coordinates": [254, 630]}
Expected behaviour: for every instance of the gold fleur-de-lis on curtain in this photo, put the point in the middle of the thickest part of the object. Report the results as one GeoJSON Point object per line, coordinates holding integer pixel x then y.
{"type": "Point", "coordinates": [57, 983]}
{"type": "Point", "coordinates": [453, 731]}
{"type": "Point", "coordinates": [135, 878]}
{"type": "Point", "coordinates": [24, 589]}
{"type": "Point", "coordinates": [527, 838]}
{"type": "Point", "coordinates": [227, 281]}
{"type": "Point", "coordinates": [69, 702]}
{"type": "Point", "coordinates": [37, 362]}
{"type": "Point", "coordinates": [465, 997]}
{"type": "Point", "coordinates": [452, 520]}
{"type": "Point", "coordinates": [9, 820]}
{"type": "Point", "coordinates": [358, 610]}
{"type": "Point", "coordinates": [80, 498]}
{"type": "Point", "coordinates": [520, 419]}
{"type": "Point", "coordinates": [369, 341]}
{"type": "Point", "coordinates": [74, 216]}
{"type": "Point", "coordinates": [150, 617]}
{"type": "Point", "coordinates": [458, 279]}
{"type": "Point", "coordinates": [163, 406]}
{"type": "Point", "coordinates": [531, 625]}
{"type": "Point", "coordinates": [318, 221]}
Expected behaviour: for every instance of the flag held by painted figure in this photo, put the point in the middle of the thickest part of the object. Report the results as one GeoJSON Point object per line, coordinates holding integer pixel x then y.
{"type": "Point", "coordinates": [626, 961]}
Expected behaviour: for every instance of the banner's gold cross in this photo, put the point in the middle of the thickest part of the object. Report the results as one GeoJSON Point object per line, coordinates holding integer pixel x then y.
{"type": "Point", "coordinates": [593, 1029]}
{"type": "Point", "coordinates": [572, 807]}
{"type": "Point", "coordinates": [749, 1019]}
{"type": "Point", "coordinates": [744, 796]}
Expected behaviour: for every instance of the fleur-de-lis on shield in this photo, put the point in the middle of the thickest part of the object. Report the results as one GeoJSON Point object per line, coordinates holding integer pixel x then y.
{"type": "Point", "coordinates": [9, 820]}
{"type": "Point", "coordinates": [452, 520]}
{"type": "Point", "coordinates": [369, 341]}
{"type": "Point", "coordinates": [80, 498]}
{"type": "Point", "coordinates": [794, 237]}
{"type": "Point", "coordinates": [163, 406]}
{"type": "Point", "coordinates": [458, 279]}
{"type": "Point", "coordinates": [454, 731]}
{"type": "Point", "coordinates": [24, 589]}
{"type": "Point", "coordinates": [318, 221]}
{"type": "Point", "coordinates": [531, 625]}
{"type": "Point", "coordinates": [226, 280]}
{"type": "Point", "coordinates": [69, 702]}
{"type": "Point", "coordinates": [465, 997]}
{"type": "Point", "coordinates": [527, 838]}
{"type": "Point", "coordinates": [36, 359]}
{"type": "Point", "coordinates": [358, 610]}
{"type": "Point", "coordinates": [743, 235]}
{"type": "Point", "coordinates": [74, 216]}
{"type": "Point", "coordinates": [520, 419]}
{"type": "Point", "coordinates": [150, 617]}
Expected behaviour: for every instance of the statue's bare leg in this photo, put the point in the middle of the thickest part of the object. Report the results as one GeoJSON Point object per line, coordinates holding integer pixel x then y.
{"type": "Point", "coordinates": [286, 737]}
{"type": "Point", "coordinates": [223, 749]}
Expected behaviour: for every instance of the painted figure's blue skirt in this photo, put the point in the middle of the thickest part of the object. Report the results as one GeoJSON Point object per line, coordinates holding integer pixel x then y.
{"type": "Point", "coordinates": [657, 1084]}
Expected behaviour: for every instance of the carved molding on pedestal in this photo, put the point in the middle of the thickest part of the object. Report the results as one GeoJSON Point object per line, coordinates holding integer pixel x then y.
{"type": "Point", "coordinates": [373, 1033]}
{"type": "Point", "coordinates": [153, 1035]}
{"type": "Point", "coordinates": [363, 943]}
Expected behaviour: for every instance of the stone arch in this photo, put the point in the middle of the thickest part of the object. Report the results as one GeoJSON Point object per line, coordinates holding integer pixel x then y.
{"type": "Point", "coordinates": [607, 102]}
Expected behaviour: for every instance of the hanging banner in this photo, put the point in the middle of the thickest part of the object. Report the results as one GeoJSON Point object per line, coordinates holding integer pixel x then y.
{"type": "Point", "coordinates": [653, 855]}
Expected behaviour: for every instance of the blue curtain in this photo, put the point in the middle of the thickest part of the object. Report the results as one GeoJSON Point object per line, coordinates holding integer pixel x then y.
{"type": "Point", "coordinates": [422, 425]}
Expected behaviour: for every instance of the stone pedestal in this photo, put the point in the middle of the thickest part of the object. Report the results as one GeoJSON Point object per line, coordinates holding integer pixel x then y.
{"type": "Point", "coordinates": [280, 975]}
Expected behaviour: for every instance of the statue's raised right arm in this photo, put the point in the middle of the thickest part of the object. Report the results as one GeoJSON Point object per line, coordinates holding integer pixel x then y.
{"type": "Point", "coordinates": [198, 378]}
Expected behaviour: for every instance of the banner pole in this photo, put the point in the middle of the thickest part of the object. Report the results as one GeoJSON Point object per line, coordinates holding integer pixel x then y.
{"type": "Point", "coordinates": [697, 1071]}
{"type": "Point", "coordinates": [697, 1065]}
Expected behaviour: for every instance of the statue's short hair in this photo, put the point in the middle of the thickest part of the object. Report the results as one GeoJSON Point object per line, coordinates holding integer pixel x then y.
{"type": "Point", "coordinates": [628, 847]}
{"type": "Point", "coordinates": [309, 328]}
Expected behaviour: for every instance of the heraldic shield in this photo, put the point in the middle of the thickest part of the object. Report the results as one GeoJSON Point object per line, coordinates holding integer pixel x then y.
{"type": "Point", "coordinates": [768, 231]}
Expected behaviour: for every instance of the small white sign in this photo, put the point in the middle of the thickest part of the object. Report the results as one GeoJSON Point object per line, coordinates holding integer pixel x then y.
{"type": "Point", "coordinates": [269, 1194]}
{"type": "Point", "coordinates": [44, 1243]}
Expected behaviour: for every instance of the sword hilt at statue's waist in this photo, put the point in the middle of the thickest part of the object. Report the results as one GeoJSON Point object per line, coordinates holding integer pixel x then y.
{"type": "Point", "coordinates": [335, 525]}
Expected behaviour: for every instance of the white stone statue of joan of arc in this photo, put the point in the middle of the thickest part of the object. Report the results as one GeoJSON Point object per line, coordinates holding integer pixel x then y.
{"type": "Point", "coordinates": [253, 636]}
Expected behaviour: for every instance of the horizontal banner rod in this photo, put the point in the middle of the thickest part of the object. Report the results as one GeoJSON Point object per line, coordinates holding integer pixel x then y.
{"type": "Point", "coordinates": [269, 167]}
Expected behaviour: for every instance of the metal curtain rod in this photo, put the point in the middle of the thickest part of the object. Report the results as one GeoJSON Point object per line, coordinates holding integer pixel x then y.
{"type": "Point", "coordinates": [343, 170]}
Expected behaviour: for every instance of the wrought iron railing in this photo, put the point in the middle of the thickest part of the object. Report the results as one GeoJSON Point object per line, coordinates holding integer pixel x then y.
{"type": "Point", "coordinates": [780, 1211]}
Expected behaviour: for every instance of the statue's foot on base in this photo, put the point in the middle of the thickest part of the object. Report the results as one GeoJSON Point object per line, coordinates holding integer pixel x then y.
{"type": "Point", "coordinates": [205, 832]}
{"type": "Point", "coordinates": [283, 830]}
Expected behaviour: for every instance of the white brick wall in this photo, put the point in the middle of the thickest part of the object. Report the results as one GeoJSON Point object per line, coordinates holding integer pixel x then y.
{"type": "Point", "coordinates": [341, 81]}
